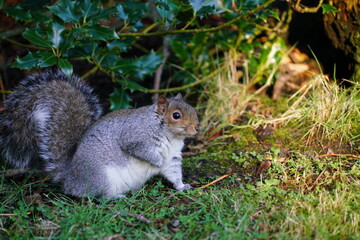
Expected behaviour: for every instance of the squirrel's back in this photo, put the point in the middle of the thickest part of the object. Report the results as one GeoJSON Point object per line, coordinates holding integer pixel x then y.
{"type": "Point", "coordinates": [45, 117]}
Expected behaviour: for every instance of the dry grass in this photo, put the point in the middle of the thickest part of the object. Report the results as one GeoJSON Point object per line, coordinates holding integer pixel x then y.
{"type": "Point", "coordinates": [326, 111]}
{"type": "Point", "coordinates": [226, 97]}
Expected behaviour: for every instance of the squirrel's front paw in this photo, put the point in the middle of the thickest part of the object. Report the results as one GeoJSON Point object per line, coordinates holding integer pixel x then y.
{"type": "Point", "coordinates": [183, 187]}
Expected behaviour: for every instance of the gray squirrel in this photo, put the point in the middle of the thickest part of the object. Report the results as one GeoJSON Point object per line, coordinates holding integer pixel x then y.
{"type": "Point", "coordinates": [57, 119]}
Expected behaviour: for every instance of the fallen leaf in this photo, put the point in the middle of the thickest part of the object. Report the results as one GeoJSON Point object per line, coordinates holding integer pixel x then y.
{"type": "Point", "coordinates": [263, 167]}
{"type": "Point", "coordinates": [34, 199]}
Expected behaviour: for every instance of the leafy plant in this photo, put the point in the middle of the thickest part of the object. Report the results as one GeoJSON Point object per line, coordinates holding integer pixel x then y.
{"type": "Point", "coordinates": [103, 34]}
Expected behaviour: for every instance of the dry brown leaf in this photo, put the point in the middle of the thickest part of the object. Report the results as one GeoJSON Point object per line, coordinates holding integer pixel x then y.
{"type": "Point", "coordinates": [263, 167]}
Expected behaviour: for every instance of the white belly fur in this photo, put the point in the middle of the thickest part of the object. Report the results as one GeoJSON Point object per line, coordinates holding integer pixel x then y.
{"type": "Point", "coordinates": [137, 172]}
{"type": "Point", "coordinates": [130, 177]}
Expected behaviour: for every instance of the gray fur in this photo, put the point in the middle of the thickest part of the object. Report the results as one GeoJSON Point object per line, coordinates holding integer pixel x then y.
{"type": "Point", "coordinates": [55, 119]}
{"type": "Point", "coordinates": [46, 112]}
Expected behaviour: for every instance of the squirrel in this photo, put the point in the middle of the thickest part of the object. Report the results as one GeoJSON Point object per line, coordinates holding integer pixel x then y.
{"type": "Point", "coordinates": [58, 120]}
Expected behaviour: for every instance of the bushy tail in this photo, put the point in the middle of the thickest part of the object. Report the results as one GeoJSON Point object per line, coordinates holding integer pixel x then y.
{"type": "Point", "coordinates": [45, 117]}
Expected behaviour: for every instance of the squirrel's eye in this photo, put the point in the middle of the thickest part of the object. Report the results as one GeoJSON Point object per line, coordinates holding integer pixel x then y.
{"type": "Point", "coordinates": [176, 115]}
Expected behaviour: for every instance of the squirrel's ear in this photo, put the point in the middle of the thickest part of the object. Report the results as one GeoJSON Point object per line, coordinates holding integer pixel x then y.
{"type": "Point", "coordinates": [178, 96]}
{"type": "Point", "coordinates": [162, 104]}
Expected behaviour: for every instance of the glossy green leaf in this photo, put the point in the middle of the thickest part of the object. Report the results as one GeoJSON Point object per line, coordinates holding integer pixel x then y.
{"type": "Point", "coordinates": [33, 5]}
{"type": "Point", "coordinates": [56, 34]}
{"type": "Point", "coordinates": [89, 8]}
{"type": "Point", "coordinates": [134, 10]}
{"type": "Point", "coordinates": [92, 11]}
{"type": "Point", "coordinates": [27, 62]}
{"type": "Point", "coordinates": [196, 4]}
{"type": "Point", "coordinates": [329, 8]}
{"type": "Point", "coordinates": [46, 59]}
{"type": "Point", "coordinates": [65, 66]}
{"type": "Point", "coordinates": [147, 64]}
{"type": "Point", "coordinates": [66, 11]}
{"type": "Point", "coordinates": [120, 45]}
{"type": "Point", "coordinates": [132, 85]}
{"type": "Point", "coordinates": [274, 14]}
{"type": "Point", "coordinates": [121, 12]}
{"type": "Point", "coordinates": [34, 37]}
{"type": "Point", "coordinates": [18, 13]}
{"type": "Point", "coordinates": [100, 33]}
{"type": "Point", "coordinates": [124, 66]}
{"type": "Point", "coordinates": [119, 100]}
{"type": "Point", "coordinates": [206, 10]}
{"type": "Point", "coordinates": [180, 50]}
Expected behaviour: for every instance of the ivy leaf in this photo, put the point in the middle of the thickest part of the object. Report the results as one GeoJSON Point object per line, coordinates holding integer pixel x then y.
{"type": "Point", "coordinates": [46, 59]}
{"type": "Point", "coordinates": [66, 11]}
{"type": "Point", "coordinates": [35, 38]}
{"type": "Point", "coordinates": [65, 66]}
{"type": "Point", "coordinates": [27, 62]}
{"type": "Point", "coordinates": [147, 64]}
{"type": "Point", "coordinates": [329, 8]}
{"type": "Point", "coordinates": [119, 100]}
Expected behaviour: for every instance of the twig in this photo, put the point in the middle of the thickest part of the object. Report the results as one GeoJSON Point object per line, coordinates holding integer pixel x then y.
{"type": "Point", "coordinates": [216, 180]}
{"type": "Point", "coordinates": [338, 155]}
{"type": "Point", "coordinates": [318, 178]}
{"type": "Point", "coordinates": [159, 71]}
{"type": "Point", "coordinates": [11, 33]}
{"type": "Point", "coordinates": [88, 73]}
{"type": "Point", "coordinates": [303, 9]}
{"type": "Point", "coordinates": [25, 45]}
{"type": "Point", "coordinates": [139, 217]}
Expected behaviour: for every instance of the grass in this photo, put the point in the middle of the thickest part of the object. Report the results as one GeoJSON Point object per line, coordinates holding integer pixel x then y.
{"type": "Point", "coordinates": [279, 187]}
{"type": "Point", "coordinates": [303, 197]}
{"type": "Point", "coordinates": [326, 111]}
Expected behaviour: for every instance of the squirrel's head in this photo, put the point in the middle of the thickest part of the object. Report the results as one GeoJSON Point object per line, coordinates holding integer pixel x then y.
{"type": "Point", "coordinates": [180, 118]}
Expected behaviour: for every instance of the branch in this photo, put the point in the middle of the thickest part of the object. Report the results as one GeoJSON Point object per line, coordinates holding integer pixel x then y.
{"type": "Point", "coordinates": [303, 9]}
{"type": "Point", "coordinates": [201, 30]}
{"type": "Point", "coordinates": [25, 45]}
{"type": "Point", "coordinates": [11, 33]}
{"type": "Point", "coordinates": [159, 71]}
